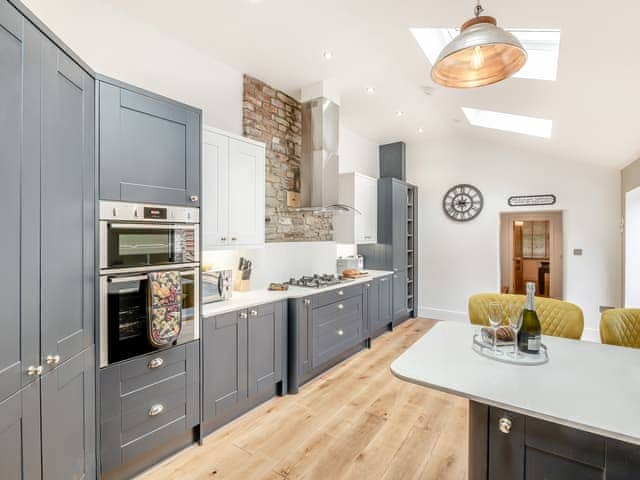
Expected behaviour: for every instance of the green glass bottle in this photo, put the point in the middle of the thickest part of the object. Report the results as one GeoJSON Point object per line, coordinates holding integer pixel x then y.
{"type": "Point", "coordinates": [530, 334]}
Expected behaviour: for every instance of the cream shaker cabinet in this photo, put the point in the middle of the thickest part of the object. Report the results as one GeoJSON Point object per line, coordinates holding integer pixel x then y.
{"type": "Point", "coordinates": [233, 190]}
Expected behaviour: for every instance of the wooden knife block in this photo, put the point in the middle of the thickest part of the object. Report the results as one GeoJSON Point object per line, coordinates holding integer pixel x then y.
{"type": "Point", "coordinates": [240, 285]}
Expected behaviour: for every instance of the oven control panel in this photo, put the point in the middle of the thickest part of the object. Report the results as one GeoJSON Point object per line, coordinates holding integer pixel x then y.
{"type": "Point", "coordinates": [140, 212]}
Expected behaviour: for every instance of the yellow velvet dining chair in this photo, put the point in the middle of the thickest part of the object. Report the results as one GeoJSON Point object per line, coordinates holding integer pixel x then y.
{"type": "Point", "coordinates": [558, 318]}
{"type": "Point", "coordinates": [621, 326]}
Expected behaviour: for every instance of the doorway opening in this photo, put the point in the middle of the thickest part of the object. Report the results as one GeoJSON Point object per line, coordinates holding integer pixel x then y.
{"type": "Point", "coordinates": [531, 251]}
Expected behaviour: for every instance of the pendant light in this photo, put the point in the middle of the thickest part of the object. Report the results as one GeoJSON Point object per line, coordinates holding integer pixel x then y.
{"type": "Point", "coordinates": [480, 55]}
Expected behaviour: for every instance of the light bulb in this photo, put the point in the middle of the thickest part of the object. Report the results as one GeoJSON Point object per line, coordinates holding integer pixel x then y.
{"type": "Point", "coordinates": [477, 58]}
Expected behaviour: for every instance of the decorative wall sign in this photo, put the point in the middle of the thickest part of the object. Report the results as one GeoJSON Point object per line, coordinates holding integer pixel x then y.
{"type": "Point", "coordinates": [532, 200]}
{"type": "Point", "coordinates": [462, 203]}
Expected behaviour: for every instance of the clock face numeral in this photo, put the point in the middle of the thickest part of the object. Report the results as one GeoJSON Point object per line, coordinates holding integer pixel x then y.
{"type": "Point", "coordinates": [462, 202]}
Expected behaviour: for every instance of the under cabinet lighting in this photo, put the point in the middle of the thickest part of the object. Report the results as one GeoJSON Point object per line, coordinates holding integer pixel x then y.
{"type": "Point", "coordinates": [508, 122]}
{"type": "Point", "coordinates": [542, 48]}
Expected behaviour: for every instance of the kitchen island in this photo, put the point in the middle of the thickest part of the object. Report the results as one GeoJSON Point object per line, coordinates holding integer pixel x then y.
{"type": "Point", "coordinates": [576, 416]}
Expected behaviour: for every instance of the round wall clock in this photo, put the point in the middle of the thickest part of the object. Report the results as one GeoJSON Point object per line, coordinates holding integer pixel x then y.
{"type": "Point", "coordinates": [462, 203]}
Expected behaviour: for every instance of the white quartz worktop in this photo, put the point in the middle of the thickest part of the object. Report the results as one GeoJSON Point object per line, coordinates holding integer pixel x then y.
{"type": "Point", "coordinates": [240, 300]}
{"type": "Point", "coordinates": [584, 385]}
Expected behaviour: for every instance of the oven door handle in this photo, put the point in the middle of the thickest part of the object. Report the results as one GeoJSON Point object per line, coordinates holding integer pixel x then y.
{"type": "Point", "coordinates": [150, 226]}
{"type": "Point", "coordinates": [135, 278]}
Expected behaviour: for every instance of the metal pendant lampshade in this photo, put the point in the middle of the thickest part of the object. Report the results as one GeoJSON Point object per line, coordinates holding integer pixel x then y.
{"type": "Point", "coordinates": [480, 55]}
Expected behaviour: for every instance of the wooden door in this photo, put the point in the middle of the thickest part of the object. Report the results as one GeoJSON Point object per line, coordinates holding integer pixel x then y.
{"type": "Point", "coordinates": [67, 199]}
{"type": "Point", "coordinates": [265, 347]}
{"type": "Point", "coordinates": [224, 374]}
{"type": "Point", "coordinates": [215, 190]}
{"type": "Point", "coordinates": [68, 420]}
{"type": "Point", "coordinates": [20, 198]}
{"type": "Point", "coordinates": [149, 147]}
{"type": "Point", "coordinates": [246, 192]}
{"type": "Point", "coordinates": [20, 434]}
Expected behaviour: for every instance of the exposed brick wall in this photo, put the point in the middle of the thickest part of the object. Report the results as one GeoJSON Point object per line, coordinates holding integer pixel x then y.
{"type": "Point", "coordinates": [275, 118]}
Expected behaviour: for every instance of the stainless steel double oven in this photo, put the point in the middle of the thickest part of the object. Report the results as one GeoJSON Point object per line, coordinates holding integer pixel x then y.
{"type": "Point", "coordinates": [136, 239]}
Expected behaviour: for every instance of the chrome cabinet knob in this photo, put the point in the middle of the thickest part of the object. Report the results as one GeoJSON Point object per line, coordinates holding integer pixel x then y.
{"type": "Point", "coordinates": [194, 198]}
{"type": "Point", "coordinates": [156, 362]}
{"type": "Point", "coordinates": [156, 409]}
{"type": "Point", "coordinates": [224, 239]}
{"type": "Point", "coordinates": [53, 360]}
{"type": "Point", "coordinates": [340, 292]}
{"type": "Point", "coordinates": [33, 370]}
{"type": "Point", "coordinates": [307, 301]}
{"type": "Point", "coordinates": [504, 424]}
{"type": "Point", "coordinates": [368, 285]}
{"type": "Point", "coordinates": [383, 279]}
{"type": "Point", "coordinates": [253, 313]}
{"type": "Point", "coordinates": [340, 332]}
{"type": "Point", "coordinates": [233, 239]}
{"type": "Point", "coordinates": [243, 315]}
{"type": "Point", "coordinates": [340, 307]}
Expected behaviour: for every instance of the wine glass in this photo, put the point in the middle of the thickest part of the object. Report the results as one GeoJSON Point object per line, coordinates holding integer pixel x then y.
{"type": "Point", "coordinates": [495, 319]}
{"type": "Point", "coordinates": [514, 314]}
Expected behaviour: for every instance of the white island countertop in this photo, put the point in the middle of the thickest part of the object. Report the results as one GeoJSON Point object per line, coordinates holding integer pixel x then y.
{"type": "Point", "coordinates": [587, 386]}
{"type": "Point", "coordinates": [252, 298]}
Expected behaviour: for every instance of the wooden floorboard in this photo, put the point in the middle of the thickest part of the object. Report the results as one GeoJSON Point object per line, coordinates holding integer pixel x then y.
{"type": "Point", "coordinates": [356, 421]}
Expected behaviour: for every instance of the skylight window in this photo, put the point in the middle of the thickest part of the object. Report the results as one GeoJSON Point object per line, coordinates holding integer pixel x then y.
{"type": "Point", "coordinates": [542, 48]}
{"type": "Point", "coordinates": [508, 122]}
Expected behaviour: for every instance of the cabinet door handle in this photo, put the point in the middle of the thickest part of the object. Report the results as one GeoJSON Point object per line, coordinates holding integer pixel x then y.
{"type": "Point", "coordinates": [368, 285]}
{"type": "Point", "coordinates": [504, 424]}
{"type": "Point", "coordinates": [34, 371]}
{"type": "Point", "coordinates": [307, 301]}
{"type": "Point", "coordinates": [194, 198]}
{"type": "Point", "coordinates": [340, 332]}
{"type": "Point", "coordinates": [340, 292]}
{"type": "Point", "coordinates": [340, 306]}
{"type": "Point", "coordinates": [224, 239]}
{"type": "Point", "coordinates": [53, 360]}
{"type": "Point", "coordinates": [243, 315]}
{"type": "Point", "coordinates": [254, 313]}
{"type": "Point", "coordinates": [233, 239]}
{"type": "Point", "coordinates": [383, 279]}
{"type": "Point", "coordinates": [156, 409]}
{"type": "Point", "coordinates": [156, 363]}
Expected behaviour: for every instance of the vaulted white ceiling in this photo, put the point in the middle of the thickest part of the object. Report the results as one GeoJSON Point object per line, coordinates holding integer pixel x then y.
{"type": "Point", "coordinates": [594, 104]}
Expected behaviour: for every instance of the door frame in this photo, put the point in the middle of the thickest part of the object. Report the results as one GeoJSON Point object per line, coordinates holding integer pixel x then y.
{"type": "Point", "coordinates": [556, 257]}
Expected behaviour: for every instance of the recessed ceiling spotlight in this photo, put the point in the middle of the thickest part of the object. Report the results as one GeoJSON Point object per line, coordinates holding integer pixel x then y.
{"type": "Point", "coordinates": [399, 113]}
{"type": "Point", "coordinates": [327, 55]}
{"type": "Point", "coordinates": [420, 130]}
{"type": "Point", "coordinates": [370, 90]}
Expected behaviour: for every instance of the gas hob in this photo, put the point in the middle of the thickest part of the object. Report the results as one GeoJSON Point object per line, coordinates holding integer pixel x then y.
{"type": "Point", "coordinates": [317, 281]}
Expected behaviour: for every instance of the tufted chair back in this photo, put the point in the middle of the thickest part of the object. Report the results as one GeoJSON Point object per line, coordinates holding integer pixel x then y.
{"type": "Point", "coordinates": [621, 326]}
{"type": "Point", "coordinates": [558, 318]}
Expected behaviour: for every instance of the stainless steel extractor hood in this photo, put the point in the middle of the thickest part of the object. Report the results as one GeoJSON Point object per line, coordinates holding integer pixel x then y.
{"type": "Point", "coordinates": [318, 176]}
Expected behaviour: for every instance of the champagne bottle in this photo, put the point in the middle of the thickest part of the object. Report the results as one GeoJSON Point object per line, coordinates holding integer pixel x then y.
{"type": "Point", "coordinates": [530, 334]}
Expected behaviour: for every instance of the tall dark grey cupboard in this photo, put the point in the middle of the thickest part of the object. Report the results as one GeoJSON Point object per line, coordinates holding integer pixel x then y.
{"type": "Point", "coordinates": [47, 195]}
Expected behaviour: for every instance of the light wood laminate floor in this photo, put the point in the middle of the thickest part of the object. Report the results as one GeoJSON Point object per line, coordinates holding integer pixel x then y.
{"type": "Point", "coordinates": [356, 421]}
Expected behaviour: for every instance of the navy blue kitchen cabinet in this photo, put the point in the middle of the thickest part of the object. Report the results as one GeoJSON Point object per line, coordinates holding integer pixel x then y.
{"type": "Point", "coordinates": [244, 357]}
{"type": "Point", "coordinates": [47, 189]}
{"type": "Point", "coordinates": [149, 146]}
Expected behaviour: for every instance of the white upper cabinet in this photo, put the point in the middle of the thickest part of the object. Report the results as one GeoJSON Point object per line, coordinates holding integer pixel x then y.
{"type": "Point", "coordinates": [233, 190]}
{"type": "Point", "coordinates": [360, 192]}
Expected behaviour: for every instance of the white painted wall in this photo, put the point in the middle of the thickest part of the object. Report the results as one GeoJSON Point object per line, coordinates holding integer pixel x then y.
{"type": "Point", "coordinates": [115, 45]}
{"type": "Point", "coordinates": [357, 153]}
{"type": "Point", "coordinates": [277, 262]}
{"type": "Point", "coordinates": [632, 251]}
{"type": "Point", "coordinates": [458, 260]}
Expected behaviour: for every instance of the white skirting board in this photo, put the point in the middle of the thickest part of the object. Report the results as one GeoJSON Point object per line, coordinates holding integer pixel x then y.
{"type": "Point", "coordinates": [589, 334]}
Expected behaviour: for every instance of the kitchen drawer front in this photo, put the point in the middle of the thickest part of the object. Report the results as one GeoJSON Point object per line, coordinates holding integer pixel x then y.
{"type": "Point", "coordinates": [153, 407]}
{"type": "Point", "coordinates": [127, 429]}
{"type": "Point", "coordinates": [162, 364]}
{"type": "Point", "coordinates": [322, 299]}
{"type": "Point", "coordinates": [336, 328]}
